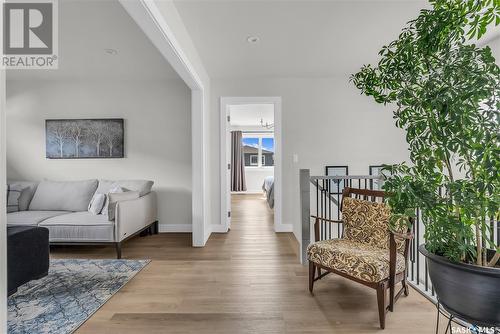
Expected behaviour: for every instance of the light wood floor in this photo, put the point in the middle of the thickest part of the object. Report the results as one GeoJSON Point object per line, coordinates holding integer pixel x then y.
{"type": "Point", "coordinates": [245, 281]}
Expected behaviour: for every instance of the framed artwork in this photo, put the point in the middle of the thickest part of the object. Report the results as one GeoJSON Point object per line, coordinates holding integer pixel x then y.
{"type": "Point", "coordinates": [84, 138]}
{"type": "Point", "coordinates": [376, 170]}
{"type": "Point", "coordinates": [337, 186]}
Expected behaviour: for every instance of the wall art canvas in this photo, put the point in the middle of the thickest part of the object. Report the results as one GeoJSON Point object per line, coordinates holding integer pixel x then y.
{"type": "Point", "coordinates": [84, 138]}
{"type": "Point", "coordinates": [376, 170]}
{"type": "Point", "coordinates": [337, 186]}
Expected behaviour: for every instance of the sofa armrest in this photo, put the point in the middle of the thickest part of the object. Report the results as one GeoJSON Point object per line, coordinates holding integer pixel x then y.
{"type": "Point", "coordinates": [133, 215]}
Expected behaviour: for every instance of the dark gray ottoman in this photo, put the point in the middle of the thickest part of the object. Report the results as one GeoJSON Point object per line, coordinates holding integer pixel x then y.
{"type": "Point", "coordinates": [27, 255]}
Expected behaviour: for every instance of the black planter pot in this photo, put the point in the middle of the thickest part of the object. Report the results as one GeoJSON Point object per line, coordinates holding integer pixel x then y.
{"type": "Point", "coordinates": [469, 292]}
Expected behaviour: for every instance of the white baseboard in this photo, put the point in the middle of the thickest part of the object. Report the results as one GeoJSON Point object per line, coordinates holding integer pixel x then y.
{"type": "Point", "coordinates": [283, 228]}
{"type": "Point", "coordinates": [175, 228]}
{"type": "Point", "coordinates": [219, 228]}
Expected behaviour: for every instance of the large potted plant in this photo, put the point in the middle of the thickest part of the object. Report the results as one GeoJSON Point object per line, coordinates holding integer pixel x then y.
{"type": "Point", "coordinates": [445, 91]}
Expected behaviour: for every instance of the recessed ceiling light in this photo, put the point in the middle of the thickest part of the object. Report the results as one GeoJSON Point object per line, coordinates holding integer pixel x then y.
{"type": "Point", "coordinates": [111, 52]}
{"type": "Point", "coordinates": [253, 39]}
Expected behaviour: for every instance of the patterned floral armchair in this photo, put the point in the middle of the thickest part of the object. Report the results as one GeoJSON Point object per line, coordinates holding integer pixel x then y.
{"type": "Point", "coordinates": [368, 253]}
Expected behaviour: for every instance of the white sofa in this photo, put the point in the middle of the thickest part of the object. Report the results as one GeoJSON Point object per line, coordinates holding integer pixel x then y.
{"type": "Point", "coordinates": [62, 207]}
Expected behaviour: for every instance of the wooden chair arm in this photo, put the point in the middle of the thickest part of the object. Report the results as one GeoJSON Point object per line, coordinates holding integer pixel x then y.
{"type": "Point", "coordinates": [317, 219]}
{"type": "Point", "coordinates": [406, 236]}
{"type": "Point", "coordinates": [316, 225]}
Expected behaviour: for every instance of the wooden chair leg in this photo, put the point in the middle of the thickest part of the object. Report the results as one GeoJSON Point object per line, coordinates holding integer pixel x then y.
{"type": "Point", "coordinates": [381, 299]}
{"type": "Point", "coordinates": [391, 295]}
{"type": "Point", "coordinates": [312, 270]}
{"type": "Point", "coordinates": [405, 287]}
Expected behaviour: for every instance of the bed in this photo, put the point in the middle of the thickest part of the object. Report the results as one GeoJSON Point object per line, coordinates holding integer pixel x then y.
{"type": "Point", "coordinates": [268, 188]}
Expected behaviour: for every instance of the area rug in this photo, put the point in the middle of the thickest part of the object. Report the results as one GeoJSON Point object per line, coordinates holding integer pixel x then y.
{"type": "Point", "coordinates": [73, 290]}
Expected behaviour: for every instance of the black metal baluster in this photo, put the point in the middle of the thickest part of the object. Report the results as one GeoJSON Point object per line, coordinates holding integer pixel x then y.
{"type": "Point", "coordinates": [416, 245]}
{"type": "Point", "coordinates": [426, 277]}
{"type": "Point", "coordinates": [415, 257]}
{"type": "Point", "coordinates": [321, 206]}
{"type": "Point", "coordinates": [338, 212]}
{"type": "Point", "coordinates": [325, 182]}
{"type": "Point", "coordinates": [498, 233]}
{"type": "Point", "coordinates": [317, 200]}
{"type": "Point", "coordinates": [329, 184]}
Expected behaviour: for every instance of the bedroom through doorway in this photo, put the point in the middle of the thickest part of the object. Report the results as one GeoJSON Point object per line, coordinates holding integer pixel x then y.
{"type": "Point", "coordinates": [251, 145]}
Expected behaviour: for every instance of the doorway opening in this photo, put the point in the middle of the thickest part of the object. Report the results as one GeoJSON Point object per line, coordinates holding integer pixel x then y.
{"type": "Point", "coordinates": [251, 158]}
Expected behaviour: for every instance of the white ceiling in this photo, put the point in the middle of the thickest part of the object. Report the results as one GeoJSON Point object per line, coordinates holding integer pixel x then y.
{"type": "Point", "coordinates": [86, 28]}
{"type": "Point", "coordinates": [297, 38]}
{"type": "Point", "coordinates": [250, 114]}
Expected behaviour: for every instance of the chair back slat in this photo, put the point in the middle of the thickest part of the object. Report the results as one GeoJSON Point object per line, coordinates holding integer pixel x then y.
{"type": "Point", "coordinates": [367, 194]}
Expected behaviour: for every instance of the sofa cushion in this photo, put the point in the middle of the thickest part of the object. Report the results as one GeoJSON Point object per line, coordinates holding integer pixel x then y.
{"type": "Point", "coordinates": [142, 186]}
{"type": "Point", "coordinates": [63, 195]}
{"type": "Point", "coordinates": [26, 194]}
{"type": "Point", "coordinates": [31, 217]}
{"type": "Point", "coordinates": [79, 226]}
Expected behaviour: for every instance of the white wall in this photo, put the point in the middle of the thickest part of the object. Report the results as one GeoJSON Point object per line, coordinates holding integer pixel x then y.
{"type": "Point", "coordinates": [157, 135]}
{"type": "Point", "coordinates": [199, 81]}
{"type": "Point", "coordinates": [325, 121]}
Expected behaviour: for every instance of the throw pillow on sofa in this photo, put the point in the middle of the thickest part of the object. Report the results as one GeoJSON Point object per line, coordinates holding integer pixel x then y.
{"type": "Point", "coordinates": [142, 186]}
{"type": "Point", "coordinates": [114, 198]}
{"type": "Point", "coordinates": [97, 203]}
{"type": "Point", "coordinates": [26, 194]}
{"type": "Point", "coordinates": [14, 192]}
{"type": "Point", "coordinates": [113, 190]}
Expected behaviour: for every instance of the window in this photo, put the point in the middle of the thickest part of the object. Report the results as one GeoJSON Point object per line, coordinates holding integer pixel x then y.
{"type": "Point", "coordinates": [255, 146]}
{"type": "Point", "coordinates": [254, 160]}
{"type": "Point", "coordinates": [267, 152]}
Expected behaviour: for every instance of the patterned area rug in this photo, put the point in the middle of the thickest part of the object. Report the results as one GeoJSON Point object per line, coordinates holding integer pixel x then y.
{"type": "Point", "coordinates": [74, 289]}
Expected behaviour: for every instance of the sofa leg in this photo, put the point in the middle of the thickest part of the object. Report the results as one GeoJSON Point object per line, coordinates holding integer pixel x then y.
{"type": "Point", "coordinates": [156, 229]}
{"type": "Point", "coordinates": [118, 246]}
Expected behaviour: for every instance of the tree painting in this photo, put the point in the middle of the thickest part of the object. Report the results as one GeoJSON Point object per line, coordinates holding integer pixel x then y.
{"type": "Point", "coordinates": [59, 134]}
{"type": "Point", "coordinates": [112, 136]}
{"type": "Point", "coordinates": [84, 138]}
